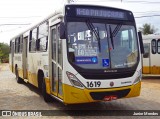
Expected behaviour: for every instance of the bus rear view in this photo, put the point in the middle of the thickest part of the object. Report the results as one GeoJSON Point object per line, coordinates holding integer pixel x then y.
{"type": "Point", "coordinates": [103, 54]}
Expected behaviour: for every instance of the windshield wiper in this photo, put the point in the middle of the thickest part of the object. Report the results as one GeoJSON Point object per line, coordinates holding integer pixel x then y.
{"type": "Point", "coordinates": [115, 31]}
{"type": "Point", "coordinates": [96, 32]}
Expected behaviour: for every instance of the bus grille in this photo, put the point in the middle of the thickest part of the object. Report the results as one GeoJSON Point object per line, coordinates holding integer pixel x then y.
{"type": "Point", "coordinates": [101, 95]}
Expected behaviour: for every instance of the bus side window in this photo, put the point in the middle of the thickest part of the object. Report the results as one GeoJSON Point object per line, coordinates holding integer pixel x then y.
{"type": "Point", "coordinates": [146, 50]}
{"type": "Point", "coordinates": [158, 46]}
{"type": "Point", "coordinates": [42, 42]}
{"type": "Point", "coordinates": [21, 44]}
{"type": "Point", "coordinates": [32, 42]}
{"type": "Point", "coordinates": [154, 46]}
{"type": "Point", "coordinates": [10, 46]}
{"type": "Point", "coordinates": [17, 45]}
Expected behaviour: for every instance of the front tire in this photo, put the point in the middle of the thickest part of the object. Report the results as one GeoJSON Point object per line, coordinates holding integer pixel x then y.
{"type": "Point", "coordinates": [47, 97]}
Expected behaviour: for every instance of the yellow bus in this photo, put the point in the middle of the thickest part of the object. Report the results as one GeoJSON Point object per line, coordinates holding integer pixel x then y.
{"type": "Point", "coordinates": [151, 56]}
{"type": "Point", "coordinates": [81, 54]}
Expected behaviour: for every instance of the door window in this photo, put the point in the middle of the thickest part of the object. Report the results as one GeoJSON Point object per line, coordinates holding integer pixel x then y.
{"type": "Point", "coordinates": [146, 50]}
{"type": "Point", "coordinates": [158, 45]}
{"type": "Point", "coordinates": [154, 46]}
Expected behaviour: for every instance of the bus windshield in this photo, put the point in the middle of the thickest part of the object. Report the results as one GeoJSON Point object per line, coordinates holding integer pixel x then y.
{"type": "Point", "coordinates": [101, 45]}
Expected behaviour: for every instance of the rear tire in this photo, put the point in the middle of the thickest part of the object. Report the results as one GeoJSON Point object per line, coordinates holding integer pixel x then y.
{"type": "Point", "coordinates": [47, 97]}
{"type": "Point", "coordinates": [19, 80]}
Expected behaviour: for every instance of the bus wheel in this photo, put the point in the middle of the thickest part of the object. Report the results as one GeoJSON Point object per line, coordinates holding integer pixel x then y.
{"type": "Point", "coordinates": [19, 80]}
{"type": "Point", "coordinates": [47, 97]}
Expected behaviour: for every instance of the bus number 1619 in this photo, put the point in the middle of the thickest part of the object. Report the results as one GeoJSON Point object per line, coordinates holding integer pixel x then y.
{"type": "Point", "coordinates": [93, 84]}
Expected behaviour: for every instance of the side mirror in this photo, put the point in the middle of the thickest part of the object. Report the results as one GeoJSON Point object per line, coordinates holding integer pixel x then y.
{"type": "Point", "coordinates": [62, 31]}
{"type": "Point", "coordinates": [141, 42]}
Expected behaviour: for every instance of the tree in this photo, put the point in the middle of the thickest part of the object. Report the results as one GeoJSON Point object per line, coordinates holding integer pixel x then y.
{"type": "Point", "coordinates": [147, 29]}
{"type": "Point", "coordinates": [4, 52]}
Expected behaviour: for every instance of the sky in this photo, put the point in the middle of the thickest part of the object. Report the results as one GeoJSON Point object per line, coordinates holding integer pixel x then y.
{"type": "Point", "coordinates": [18, 15]}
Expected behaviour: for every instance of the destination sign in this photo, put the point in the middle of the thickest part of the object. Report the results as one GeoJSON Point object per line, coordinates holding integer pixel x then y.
{"type": "Point", "coordinates": [100, 13]}
{"type": "Point", "coordinates": [97, 12]}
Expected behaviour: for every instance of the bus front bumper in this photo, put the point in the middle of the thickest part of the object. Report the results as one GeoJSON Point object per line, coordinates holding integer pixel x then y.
{"type": "Point", "coordinates": [73, 95]}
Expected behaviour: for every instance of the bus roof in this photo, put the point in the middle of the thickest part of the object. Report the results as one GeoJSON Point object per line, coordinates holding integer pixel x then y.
{"type": "Point", "coordinates": [109, 4]}
{"type": "Point", "coordinates": [151, 36]}
{"type": "Point", "coordinates": [60, 11]}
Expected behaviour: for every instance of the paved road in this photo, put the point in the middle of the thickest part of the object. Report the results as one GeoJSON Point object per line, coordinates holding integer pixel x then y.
{"type": "Point", "coordinates": [15, 96]}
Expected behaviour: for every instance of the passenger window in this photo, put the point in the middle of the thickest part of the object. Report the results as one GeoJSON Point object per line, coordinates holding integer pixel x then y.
{"type": "Point", "coordinates": [20, 44]}
{"type": "Point", "coordinates": [154, 46]}
{"type": "Point", "coordinates": [158, 44]}
{"type": "Point", "coordinates": [15, 49]}
{"type": "Point", "coordinates": [54, 42]}
{"type": "Point", "coordinates": [33, 38]}
{"type": "Point", "coordinates": [146, 50]}
{"type": "Point", "coordinates": [10, 46]}
{"type": "Point", "coordinates": [42, 42]}
{"type": "Point", "coordinates": [17, 40]}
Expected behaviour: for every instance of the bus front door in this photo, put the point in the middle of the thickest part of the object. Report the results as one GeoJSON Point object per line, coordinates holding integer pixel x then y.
{"type": "Point", "coordinates": [56, 64]}
{"type": "Point", "coordinates": [25, 44]}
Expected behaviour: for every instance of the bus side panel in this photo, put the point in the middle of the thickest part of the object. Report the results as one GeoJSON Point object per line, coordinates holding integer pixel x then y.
{"type": "Point", "coordinates": [146, 57]}
{"type": "Point", "coordinates": [155, 63]}
{"type": "Point", "coordinates": [37, 61]}
{"type": "Point", "coordinates": [18, 63]}
{"type": "Point", "coordinates": [32, 68]}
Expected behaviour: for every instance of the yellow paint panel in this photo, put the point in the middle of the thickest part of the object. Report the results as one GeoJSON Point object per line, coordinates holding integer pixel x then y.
{"type": "Point", "coordinates": [135, 90]}
{"type": "Point", "coordinates": [27, 74]}
{"type": "Point", "coordinates": [146, 70]}
{"type": "Point", "coordinates": [153, 70]}
{"type": "Point", "coordinates": [74, 95]}
{"type": "Point", "coordinates": [48, 88]}
{"type": "Point", "coordinates": [20, 72]}
{"type": "Point", "coordinates": [32, 78]}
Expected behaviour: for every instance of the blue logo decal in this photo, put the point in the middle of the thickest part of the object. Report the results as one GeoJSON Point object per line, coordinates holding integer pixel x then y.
{"type": "Point", "coordinates": [105, 62]}
{"type": "Point", "coordinates": [86, 60]}
{"type": "Point", "coordinates": [94, 59]}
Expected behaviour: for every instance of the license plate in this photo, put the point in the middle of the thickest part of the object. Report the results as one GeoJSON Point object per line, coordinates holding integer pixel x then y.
{"type": "Point", "coordinates": [109, 98]}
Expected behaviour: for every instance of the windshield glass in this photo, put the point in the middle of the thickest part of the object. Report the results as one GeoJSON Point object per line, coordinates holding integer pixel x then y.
{"type": "Point", "coordinates": [101, 45]}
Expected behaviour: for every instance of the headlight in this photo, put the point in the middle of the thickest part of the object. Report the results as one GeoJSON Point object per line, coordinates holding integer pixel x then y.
{"type": "Point", "coordinates": [74, 80]}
